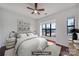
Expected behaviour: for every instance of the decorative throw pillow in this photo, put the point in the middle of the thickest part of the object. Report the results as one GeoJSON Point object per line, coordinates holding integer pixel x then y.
{"type": "Point", "coordinates": [30, 34]}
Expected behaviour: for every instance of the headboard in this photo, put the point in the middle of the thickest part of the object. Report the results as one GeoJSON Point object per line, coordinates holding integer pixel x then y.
{"type": "Point", "coordinates": [23, 27]}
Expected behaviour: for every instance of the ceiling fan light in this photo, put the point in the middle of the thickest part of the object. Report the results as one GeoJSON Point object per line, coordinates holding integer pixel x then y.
{"type": "Point", "coordinates": [35, 11]}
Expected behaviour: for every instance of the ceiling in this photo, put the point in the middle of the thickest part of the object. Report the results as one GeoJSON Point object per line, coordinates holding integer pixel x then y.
{"type": "Point", "coordinates": [50, 8]}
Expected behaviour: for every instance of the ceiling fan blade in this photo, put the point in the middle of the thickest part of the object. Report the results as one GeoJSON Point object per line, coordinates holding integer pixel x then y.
{"type": "Point", "coordinates": [38, 13]}
{"type": "Point", "coordinates": [36, 6]}
{"type": "Point", "coordinates": [41, 9]}
{"type": "Point", "coordinates": [30, 8]}
{"type": "Point", "coordinates": [32, 12]}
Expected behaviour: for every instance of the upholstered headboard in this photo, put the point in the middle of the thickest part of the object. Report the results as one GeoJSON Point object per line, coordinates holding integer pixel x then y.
{"type": "Point", "coordinates": [23, 27]}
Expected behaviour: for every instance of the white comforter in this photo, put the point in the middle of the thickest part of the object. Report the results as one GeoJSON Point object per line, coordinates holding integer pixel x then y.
{"type": "Point", "coordinates": [25, 46]}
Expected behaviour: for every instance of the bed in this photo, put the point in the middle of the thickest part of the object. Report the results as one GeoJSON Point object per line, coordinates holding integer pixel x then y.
{"type": "Point", "coordinates": [27, 44]}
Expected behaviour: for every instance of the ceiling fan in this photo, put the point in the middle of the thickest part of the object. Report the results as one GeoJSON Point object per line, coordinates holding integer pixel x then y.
{"type": "Point", "coordinates": [35, 9]}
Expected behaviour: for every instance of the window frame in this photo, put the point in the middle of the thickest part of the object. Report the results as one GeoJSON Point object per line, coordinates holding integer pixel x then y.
{"type": "Point", "coordinates": [45, 29]}
{"type": "Point", "coordinates": [70, 25]}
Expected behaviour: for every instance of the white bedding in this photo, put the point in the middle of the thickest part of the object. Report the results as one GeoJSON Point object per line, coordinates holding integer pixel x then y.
{"type": "Point", "coordinates": [30, 43]}
{"type": "Point", "coordinates": [27, 44]}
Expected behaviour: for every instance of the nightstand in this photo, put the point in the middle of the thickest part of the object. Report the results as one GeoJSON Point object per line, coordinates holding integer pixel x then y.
{"type": "Point", "coordinates": [10, 43]}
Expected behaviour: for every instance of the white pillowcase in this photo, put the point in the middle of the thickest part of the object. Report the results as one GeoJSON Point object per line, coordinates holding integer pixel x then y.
{"type": "Point", "coordinates": [32, 35]}
{"type": "Point", "coordinates": [23, 36]}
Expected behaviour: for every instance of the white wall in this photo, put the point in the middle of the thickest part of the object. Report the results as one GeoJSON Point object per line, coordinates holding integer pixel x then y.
{"type": "Point", "coordinates": [1, 26]}
{"type": "Point", "coordinates": [78, 15]}
{"type": "Point", "coordinates": [61, 24]}
{"type": "Point", "coordinates": [8, 23]}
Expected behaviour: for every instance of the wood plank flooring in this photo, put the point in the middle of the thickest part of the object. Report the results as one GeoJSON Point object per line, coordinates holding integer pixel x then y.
{"type": "Point", "coordinates": [64, 50]}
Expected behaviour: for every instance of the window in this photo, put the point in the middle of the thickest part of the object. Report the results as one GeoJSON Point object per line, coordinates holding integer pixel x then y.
{"type": "Point", "coordinates": [48, 29]}
{"type": "Point", "coordinates": [70, 24]}
{"type": "Point", "coordinates": [53, 29]}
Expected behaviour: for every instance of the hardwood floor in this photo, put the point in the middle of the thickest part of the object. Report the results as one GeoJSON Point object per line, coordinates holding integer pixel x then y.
{"type": "Point", "coordinates": [2, 50]}
{"type": "Point", "coordinates": [64, 50]}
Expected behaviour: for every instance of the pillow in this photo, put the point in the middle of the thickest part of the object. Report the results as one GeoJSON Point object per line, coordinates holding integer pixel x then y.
{"type": "Point", "coordinates": [23, 36]}
{"type": "Point", "coordinates": [30, 34]}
